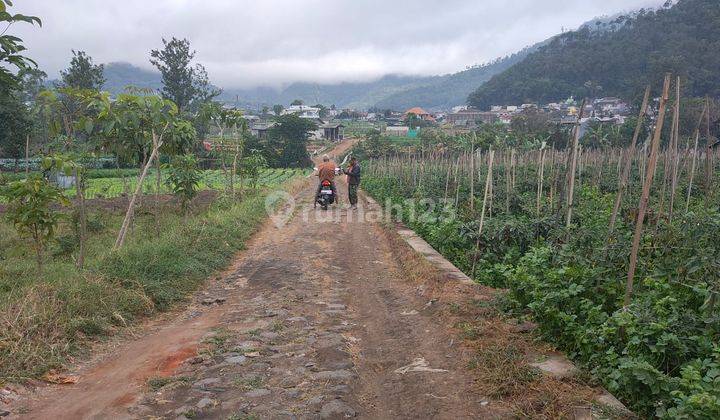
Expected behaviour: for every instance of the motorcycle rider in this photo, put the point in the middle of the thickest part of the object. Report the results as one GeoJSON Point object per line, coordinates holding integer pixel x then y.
{"type": "Point", "coordinates": [326, 172]}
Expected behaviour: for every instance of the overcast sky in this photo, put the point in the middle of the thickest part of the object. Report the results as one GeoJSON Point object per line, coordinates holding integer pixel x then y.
{"type": "Point", "coordinates": [246, 43]}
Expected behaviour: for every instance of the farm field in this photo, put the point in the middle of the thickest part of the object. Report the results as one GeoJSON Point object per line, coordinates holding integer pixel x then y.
{"type": "Point", "coordinates": [106, 183]}
{"type": "Point", "coordinates": [655, 345]}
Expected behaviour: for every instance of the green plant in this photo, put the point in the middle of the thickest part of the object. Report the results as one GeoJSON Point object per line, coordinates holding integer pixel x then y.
{"type": "Point", "coordinates": [31, 211]}
{"type": "Point", "coordinates": [184, 178]}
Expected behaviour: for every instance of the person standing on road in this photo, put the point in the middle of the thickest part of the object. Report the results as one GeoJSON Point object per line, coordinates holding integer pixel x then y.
{"type": "Point", "coordinates": [353, 178]}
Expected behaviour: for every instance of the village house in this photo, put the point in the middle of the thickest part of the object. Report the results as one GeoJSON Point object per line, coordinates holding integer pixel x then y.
{"type": "Point", "coordinates": [259, 129]}
{"type": "Point", "coordinates": [303, 111]}
{"type": "Point", "coordinates": [420, 113]}
{"type": "Point", "coordinates": [332, 131]}
{"type": "Point", "coordinates": [471, 117]}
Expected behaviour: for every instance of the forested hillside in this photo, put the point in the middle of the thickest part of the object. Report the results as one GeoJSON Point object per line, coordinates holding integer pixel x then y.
{"type": "Point", "coordinates": [452, 89]}
{"type": "Point", "coordinates": [683, 39]}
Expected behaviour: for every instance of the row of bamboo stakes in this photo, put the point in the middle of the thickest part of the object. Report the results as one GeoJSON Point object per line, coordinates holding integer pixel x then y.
{"type": "Point", "coordinates": [566, 169]}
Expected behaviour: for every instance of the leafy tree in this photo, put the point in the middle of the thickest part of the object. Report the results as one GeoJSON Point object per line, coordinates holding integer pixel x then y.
{"type": "Point", "coordinates": [11, 47]}
{"type": "Point", "coordinates": [178, 77]}
{"type": "Point", "coordinates": [15, 124]}
{"type": "Point", "coordinates": [183, 179]}
{"type": "Point", "coordinates": [252, 166]}
{"type": "Point", "coordinates": [82, 73]}
{"type": "Point", "coordinates": [277, 110]}
{"type": "Point", "coordinates": [31, 211]}
{"type": "Point", "coordinates": [323, 110]}
{"type": "Point", "coordinates": [287, 142]}
{"type": "Point", "coordinates": [32, 82]}
{"type": "Point", "coordinates": [204, 90]}
{"type": "Point", "coordinates": [296, 102]}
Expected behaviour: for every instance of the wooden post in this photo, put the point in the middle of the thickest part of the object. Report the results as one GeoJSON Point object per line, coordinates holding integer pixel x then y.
{"type": "Point", "coordinates": [27, 156]}
{"type": "Point", "coordinates": [80, 195]}
{"type": "Point", "coordinates": [674, 152]}
{"type": "Point", "coordinates": [642, 207]}
{"type": "Point", "coordinates": [622, 184]}
{"type": "Point", "coordinates": [472, 172]}
{"type": "Point", "coordinates": [694, 159]}
{"type": "Point", "coordinates": [488, 179]}
{"type": "Point", "coordinates": [573, 165]}
{"type": "Point", "coordinates": [541, 174]}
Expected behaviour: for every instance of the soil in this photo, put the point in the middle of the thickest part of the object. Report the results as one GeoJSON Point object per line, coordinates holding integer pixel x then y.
{"type": "Point", "coordinates": [327, 316]}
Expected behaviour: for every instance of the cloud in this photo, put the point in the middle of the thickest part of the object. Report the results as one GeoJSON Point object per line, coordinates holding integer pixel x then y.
{"type": "Point", "coordinates": [250, 43]}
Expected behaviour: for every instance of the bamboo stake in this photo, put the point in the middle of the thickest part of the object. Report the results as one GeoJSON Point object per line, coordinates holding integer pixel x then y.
{"type": "Point", "coordinates": [694, 159]}
{"type": "Point", "coordinates": [646, 193]}
{"type": "Point", "coordinates": [482, 212]}
{"type": "Point", "coordinates": [628, 159]}
{"type": "Point", "coordinates": [27, 156]}
{"type": "Point", "coordinates": [541, 174]}
{"type": "Point", "coordinates": [573, 166]}
{"type": "Point", "coordinates": [472, 171]}
{"type": "Point", "coordinates": [674, 153]}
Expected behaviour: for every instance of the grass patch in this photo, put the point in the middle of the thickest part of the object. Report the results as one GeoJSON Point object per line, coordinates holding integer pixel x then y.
{"type": "Point", "coordinates": [44, 319]}
{"type": "Point", "coordinates": [156, 383]}
{"type": "Point", "coordinates": [248, 384]}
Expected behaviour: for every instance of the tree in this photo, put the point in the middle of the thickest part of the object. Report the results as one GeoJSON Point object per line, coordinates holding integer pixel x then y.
{"type": "Point", "coordinates": [14, 124]}
{"type": "Point", "coordinates": [183, 179]}
{"type": "Point", "coordinates": [149, 121]}
{"type": "Point", "coordinates": [288, 142]}
{"type": "Point", "coordinates": [31, 211]}
{"type": "Point", "coordinates": [178, 77]}
{"type": "Point", "coordinates": [277, 110]}
{"type": "Point", "coordinates": [32, 82]}
{"type": "Point", "coordinates": [82, 73]}
{"type": "Point", "coordinates": [11, 47]}
{"type": "Point", "coordinates": [204, 90]}
{"type": "Point", "coordinates": [296, 102]}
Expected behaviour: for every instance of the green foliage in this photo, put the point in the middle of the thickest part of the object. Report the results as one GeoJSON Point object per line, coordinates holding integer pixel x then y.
{"type": "Point", "coordinates": [82, 73]}
{"type": "Point", "coordinates": [183, 178]}
{"type": "Point", "coordinates": [173, 62]}
{"type": "Point", "coordinates": [15, 124]}
{"type": "Point", "coordinates": [681, 39]}
{"type": "Point", "coordinates": [286, 146]}
{"type": "Point", "coordinates": [31, 211]}
{"type": "Point", "coordinates": [252, 166]}
{"type": "Point", "coordinates": [659, 355]}
{"type": "Point", "coordinates": [11, 47]}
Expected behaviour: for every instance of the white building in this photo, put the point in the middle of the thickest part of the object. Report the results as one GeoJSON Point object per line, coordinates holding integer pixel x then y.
{"type": "Point", "coordinates": [303, 111]}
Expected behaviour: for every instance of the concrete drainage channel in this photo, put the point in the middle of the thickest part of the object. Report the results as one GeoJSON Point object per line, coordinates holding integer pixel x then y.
{"type": "Point", "coordinates": [555, 364]}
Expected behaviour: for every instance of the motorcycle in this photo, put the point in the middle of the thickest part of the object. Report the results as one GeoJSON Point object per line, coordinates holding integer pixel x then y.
{"type": "Point", "coordinates": [326, 196]}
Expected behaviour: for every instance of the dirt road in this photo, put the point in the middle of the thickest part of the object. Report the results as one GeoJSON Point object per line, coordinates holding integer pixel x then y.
{"type": "Point", "coordinates": [319, 318]}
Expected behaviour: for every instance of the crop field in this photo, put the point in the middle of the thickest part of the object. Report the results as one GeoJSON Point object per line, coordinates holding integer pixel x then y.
{"type": "Point", "coordinates": [506, 219]}
{"type": "Point", "coordinates": [109, 183]}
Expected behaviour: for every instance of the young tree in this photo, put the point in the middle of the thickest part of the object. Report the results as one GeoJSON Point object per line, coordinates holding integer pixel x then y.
{"type": "Point", "coordinates": [183, 179]}
{"type": "Point", "coordinates": [149, 121]}
{"type": "Point", "coordinates": [178, 77]}
{"type": "Point", "coordinates": [31, 211]}
{"type": "Point", "coordinates": [82, 73]}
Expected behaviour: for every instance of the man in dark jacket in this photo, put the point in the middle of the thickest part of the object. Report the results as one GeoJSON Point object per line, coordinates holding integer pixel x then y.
{"type": "Point", "coordinates": [353, 174]}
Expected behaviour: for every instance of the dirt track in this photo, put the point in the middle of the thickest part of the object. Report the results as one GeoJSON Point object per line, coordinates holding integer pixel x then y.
{"type": "Point", "coordinates": [317, 319]}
